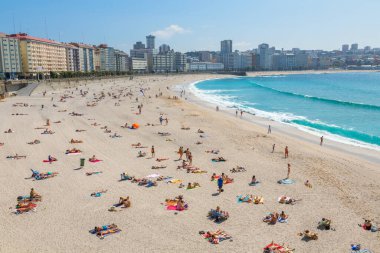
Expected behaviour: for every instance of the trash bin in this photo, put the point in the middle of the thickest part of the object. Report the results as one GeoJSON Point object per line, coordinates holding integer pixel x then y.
{"type": "Point", "coordinates": [82, 162]}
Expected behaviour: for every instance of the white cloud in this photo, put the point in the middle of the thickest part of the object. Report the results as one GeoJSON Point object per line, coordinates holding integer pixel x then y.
{"type": "Point", "coordinates": [242, 45]}
{"type": "Point", "coordinates": [170, 31]}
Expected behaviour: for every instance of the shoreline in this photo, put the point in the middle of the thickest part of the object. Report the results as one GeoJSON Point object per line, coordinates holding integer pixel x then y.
{"type": "Point", "coordinates": [344, 187]}
{"type": "Point", "coordinates": [367, 151]}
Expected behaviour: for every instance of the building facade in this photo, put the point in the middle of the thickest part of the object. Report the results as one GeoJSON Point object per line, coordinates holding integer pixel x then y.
{"type": "Point", "coordinates": [205, 66]}
{"type": "Point", "coordinates": [266, 56]}
{"type": "Point", "coordinates": [72, 57]}
{"type": "Point", "coordinates": [107, 58]}
{"type": "Point", "coordinates": [41, 55]}
{"type": "Point", "coordinates": [164, 62]}
{"type": "Point", "coordinates": [150, 42]}
{"type": "Point", "coordinates": [121, 61]}
{"type": "Point", "coordinates": [10, 58]}
{"type": "Point", "coordinates": [138, 64]}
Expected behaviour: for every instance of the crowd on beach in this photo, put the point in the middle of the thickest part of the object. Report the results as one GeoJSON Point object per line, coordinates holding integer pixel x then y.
{"type": "Point", "coordinates": [184, 160]}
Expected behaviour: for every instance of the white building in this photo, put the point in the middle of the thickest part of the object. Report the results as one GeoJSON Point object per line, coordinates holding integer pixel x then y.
{"type": "Point", "coordinates": [10, 58]}
{"type": "Point", "coordinates": [164, 62]}
{"type": "Point", "coordinates": [205, 66]}
{"type": "Point", "coordinates": [138, 64]}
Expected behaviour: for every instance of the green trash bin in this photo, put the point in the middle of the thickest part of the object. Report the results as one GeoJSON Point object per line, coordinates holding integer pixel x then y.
{"type": "Point", "coordinates": [82, 162]}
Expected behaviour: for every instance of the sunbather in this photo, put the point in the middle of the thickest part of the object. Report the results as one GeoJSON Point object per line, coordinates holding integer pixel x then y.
{"type": "Point", "coordinates": [308, 235]}
{"type": "Point", "coordinates": [213, 151]}
{"type": "Point", "coordinates": [141, 154]}
{"type": "Point", "coordinates": [159, 167]}
{"type": "Point", "coordinates": [218, 215]}
{"type": "Point", "coordinates": [161, 159]}
{"type": "Point", "coordinates": [283, 217]}
{"type": "Point", "coordinates": [219, 159]}
{"type": "Point", "coordinates": [271, 218]}
{"type": "Point", "coordinates": [125, 202]}
{"type": "Point", "coordinates": [287, 200]}
{"type": "Point", "coordinates": [72, 151]}
{"type": "Point", "coordinates": [308, 184]}
{"type": "Point", "coordinates": [51, 159]}
{"type": "Point", "coordinates": [72, 141]}
{"type": "Point", "coordinates": [98, 193]}
{"type": "Point", "coordinates": [34, 195]}
{"type": "Point", "coordinates": [193, 185]}
{"type": "Point", "coordinates": [9, 131]}
{"type": "Point", "coordinates": [238, 169]}
{"type": "Point", "coordinates": [324, 224]}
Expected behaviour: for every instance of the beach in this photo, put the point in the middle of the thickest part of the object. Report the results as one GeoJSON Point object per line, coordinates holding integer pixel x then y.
{"type": "Point", "coordinates": [345, 179]}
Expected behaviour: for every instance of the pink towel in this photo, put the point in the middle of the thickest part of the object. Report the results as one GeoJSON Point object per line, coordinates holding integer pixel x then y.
{"type": "Point", "coordinates": [95, 161]}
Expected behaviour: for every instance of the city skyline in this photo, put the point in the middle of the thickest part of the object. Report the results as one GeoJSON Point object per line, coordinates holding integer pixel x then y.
{"type": "Point", "coordinates": [187, 27]}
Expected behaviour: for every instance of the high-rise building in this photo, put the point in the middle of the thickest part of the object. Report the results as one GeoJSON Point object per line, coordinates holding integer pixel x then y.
{"type": "Point", "coordinates": [86, 57]}
{"type": "Point", "coordinates": [345, 47]}
{"type": "Point", "coordinates": [107, 58]}
{"type": "Point", "coordinates": [164, 48]}
{"type": "Point", "coordinates": [41, 55]}
{"type": "Point", "coordinates": [164, 62]}
{"type": "Point", "coordinates": [354, 47]}
{"type": "Point", "coordinates": [150, 41]}
{"type": "Point", "coordinates": [72, 57]}
{"type": "Point", "coordinates": [266, 56]}
{"type": "Point", "coordinates": [139, 45]}
{"type": "Point", "coordinates": [180, 62]}
{"type": "Point", "coordinates": [10, 58]}
{"type": "Point", "coordinates": [226, 46]}
{"type": "Point", "coordinates": [121, 61]}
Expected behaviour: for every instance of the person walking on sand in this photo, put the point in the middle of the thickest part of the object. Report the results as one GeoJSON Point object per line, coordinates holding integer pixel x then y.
{"type": "Point", "coordinates": [269, 129]}
{"type": "Point", "coordinates": [273, 147]}
{"type": "Point", "coordinates": [241, 113]}
{"type": "Point", "coordinates": [187, 152]}
{"type": "Point", "coordinates": [286, 152]}
{"type": "Point", "coordinates": [166, 121]}
{"type": "Point", "coordinates": [288, 171]}
{"type": "Point", "coordinates": [321, 140]}
{"type": "Point", "coordinates": [236, 113]}
{"type": "Point", "coordinates": [190, 159]}
{"type": "Point", "coordinates": [152, 152]}
{"type": "Point", "coordinates": [180, 152]}
{"type": "Point", "coordinates": [220, 184]}
{"type": "Point", "coordinates": [217, 108]}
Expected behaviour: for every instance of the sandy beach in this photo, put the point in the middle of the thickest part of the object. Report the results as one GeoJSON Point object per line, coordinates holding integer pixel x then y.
{"type": "Point", "coordinates": [345, 179]}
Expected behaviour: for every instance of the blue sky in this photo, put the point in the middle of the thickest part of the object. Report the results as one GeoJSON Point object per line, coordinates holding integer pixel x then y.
{"type": "Point", "coordinates": [198, 24]}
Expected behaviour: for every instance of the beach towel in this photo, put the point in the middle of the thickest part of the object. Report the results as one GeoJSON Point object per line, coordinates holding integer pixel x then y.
{"type": "Point", "coordinates": [47, 161]}
{"type": "Point", "coordinates": [245, 199]}
{"type": "Point", "coordinates": [174, 181]}
{"type": "Point", "coordinates": [152, 176]}
{"type": "Point", "coordinates": [95, 161]}
{"type": "Point", "coordinates": [174, 208]}
{"type": "Point", "coordinates": [222, 236]}
{"type": "Point", "coordinates": [76, 153]}
{"type": "Point", "coordinates": [286, 181]}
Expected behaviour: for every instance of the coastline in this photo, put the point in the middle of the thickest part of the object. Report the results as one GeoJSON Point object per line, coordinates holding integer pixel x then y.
{"type": "Point", "coordinates": [365, 151]}
{"type": "Point", "coordinates": [345, 187]}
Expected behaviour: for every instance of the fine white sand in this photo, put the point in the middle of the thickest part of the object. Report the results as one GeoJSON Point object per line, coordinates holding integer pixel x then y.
{"type": "Point", "coordinates": [345, 182]}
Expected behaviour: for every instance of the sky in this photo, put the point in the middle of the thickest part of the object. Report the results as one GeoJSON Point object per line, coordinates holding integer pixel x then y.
{"type": "Point", "coordinates": [188, 25]}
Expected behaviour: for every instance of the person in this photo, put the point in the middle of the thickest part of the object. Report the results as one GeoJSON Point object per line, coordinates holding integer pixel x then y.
{"type": "Point", "coordinates": [166, 121]}
{"type": "Point", "coordinates": [161, 119]}
{"type": "Point", "coordinates": [190, 159]}
{"type": "Point", "coordinates": [367, 224]}
{"type": "Point", "coordinates": [269, 130]}
{"type": "Point", "coordinates": [152, 151]}
{"type": "Point", "coordinates": [217, 108]}
{"type": "Point", "coordinates": [288, 171]}
{"type": "Point", "coordinates": [308, 184]}
{"type": "Point", "coordinates": [187, 152]}
{"type": "Point", "coordinates": [34, 194]}
{"type": "Point", "coordinates": [241, 113]}
{"type": "Point", "coordinates": [321, 141]}
{"type": "Point", "coordinates": [273, 147]}
{"type": "Point", "coordinates": [325, 223]}
{"type": "Point", "coordinates": [180, 152]}
{"type": "Point", "coordinates": [220, 184]}
{"type": "Point", "coordinates": [283, 216]}
{"type": "Point", "coordinates": [125, 201]}
{"type": "Point", "coordinates": [286, 152]}
{"type": "Point", "coordinates": [254, 180]}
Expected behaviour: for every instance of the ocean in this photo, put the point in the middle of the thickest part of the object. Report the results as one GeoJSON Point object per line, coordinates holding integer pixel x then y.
{"type": "Point", "coordinates": [341, 106]}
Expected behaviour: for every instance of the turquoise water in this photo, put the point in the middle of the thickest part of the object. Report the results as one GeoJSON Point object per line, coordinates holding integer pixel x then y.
{"type": "Point", "coordinates": [345, 105]}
